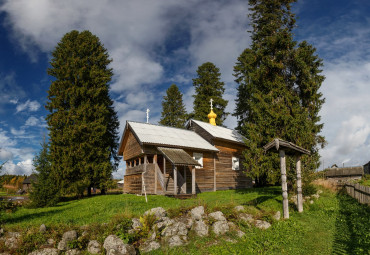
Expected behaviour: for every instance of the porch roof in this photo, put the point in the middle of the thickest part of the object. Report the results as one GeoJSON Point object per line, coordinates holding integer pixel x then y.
{"type": "Point", "coordinates": [178, 156]}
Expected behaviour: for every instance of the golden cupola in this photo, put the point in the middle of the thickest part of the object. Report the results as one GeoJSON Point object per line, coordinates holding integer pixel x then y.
{"type": "Point", "coordinates": [212, 116]}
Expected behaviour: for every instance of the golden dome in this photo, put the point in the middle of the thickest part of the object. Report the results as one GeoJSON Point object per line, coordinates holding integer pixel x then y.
{"type": "Point", "coordinates": [212, 118]}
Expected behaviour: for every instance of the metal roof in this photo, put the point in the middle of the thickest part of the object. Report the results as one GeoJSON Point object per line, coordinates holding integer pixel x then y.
{"type": "Point", "coordinates": [178, 156]}
{"type": "Point", "coordinates": [289, 147]}
{"type": "Point", "coordinates": [169, 136]}
{"type": "Point", "coordinates": [220, 132]}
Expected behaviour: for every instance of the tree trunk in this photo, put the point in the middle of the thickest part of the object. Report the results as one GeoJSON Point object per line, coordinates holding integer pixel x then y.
{"type": "Point", "coordinates": [89, 191]}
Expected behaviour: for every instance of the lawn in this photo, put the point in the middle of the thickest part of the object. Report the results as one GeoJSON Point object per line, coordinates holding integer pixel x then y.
{"type": "Point", "coordinates": [334, 224]}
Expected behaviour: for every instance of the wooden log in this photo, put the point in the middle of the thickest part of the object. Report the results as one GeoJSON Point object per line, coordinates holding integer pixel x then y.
{"type": "Point", "coordinates": [214, 172]}
{"type": "Point", "coordinates": [174, 180]}
{"type": "Point", "coordinates": [193, 180]}
{"type": "Point", "coordinates": [299, 185]}
{"type": "Point", "coordinates": [185, 179]}
{"type": "Point", "coordinates": [284, 185]}
{"type": "Point", "coordinates": [164, 166]}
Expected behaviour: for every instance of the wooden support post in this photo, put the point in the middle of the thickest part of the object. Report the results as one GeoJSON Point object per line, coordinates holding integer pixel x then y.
{"type": "Point", "coordinates": [193, 191]}
{"type": "Point", "coordinates": [139, 161]}
{"type": "Point", "coordinates": [185, 179]}
{"type": "Point", "coordinates": [284, 185]}
{"type": "Point", "coordinates": [164, 166]}
{"type": "Point", "coordinates": [214, 172]}
{"type": "Point", "coordinates": [155, 174]}
{"type": "Point", "coordinates": [299, 185]}
{"type": "Point", "coordinates": [174, 180]}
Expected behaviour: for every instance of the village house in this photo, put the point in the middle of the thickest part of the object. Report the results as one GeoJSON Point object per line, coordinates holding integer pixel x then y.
{"type": "Point", "coordinates": [171, 161]}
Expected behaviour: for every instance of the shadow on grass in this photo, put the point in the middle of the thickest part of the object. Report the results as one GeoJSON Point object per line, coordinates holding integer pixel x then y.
{"type": "Point", "coordinates": [352, 227]}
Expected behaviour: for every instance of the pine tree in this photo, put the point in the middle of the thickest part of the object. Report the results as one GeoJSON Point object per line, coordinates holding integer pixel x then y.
{"type": "Point", "coordinates": [82, 122]}
{"type": "Point", "coordinates": [43, 192]}
{"type": "Point", "coordinates": [208, 86]}
{"type": "Point", "coordinates": [173, 108]}
{"type": "Point", "coordinates": [278, 93]}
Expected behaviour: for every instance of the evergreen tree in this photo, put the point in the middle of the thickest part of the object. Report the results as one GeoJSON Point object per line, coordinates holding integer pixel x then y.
{"type": "Point", "coordinates": [173, 108]}
{"type": "Point", "coordinates": [82, 122]}
{"type": "Point", "coordinates": [208, 86]}
{"type": "Point", "coordinates": [44, 192]}
{"type": "Point", "coordinates": [278, 93]}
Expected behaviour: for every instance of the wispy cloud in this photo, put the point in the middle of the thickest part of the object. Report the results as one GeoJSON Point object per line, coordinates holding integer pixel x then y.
{"type": "Point", "coordinates": [29, 105]}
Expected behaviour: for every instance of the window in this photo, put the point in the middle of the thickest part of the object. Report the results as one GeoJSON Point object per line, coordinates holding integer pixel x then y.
{"type": "Point", "coordinates": [198, 157]}
{"type": "Point", "coordinates": [235, 163]}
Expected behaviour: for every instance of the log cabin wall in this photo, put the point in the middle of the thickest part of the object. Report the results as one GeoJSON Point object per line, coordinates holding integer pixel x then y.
{"type": "Point", "coordinates": [200, 131]}
{"type": "Point", "coordinates": [226, 177]}
{"type": "Point", "coordinates": [132, 147]}
{"type": "Point", "coordinates": [204, 175]}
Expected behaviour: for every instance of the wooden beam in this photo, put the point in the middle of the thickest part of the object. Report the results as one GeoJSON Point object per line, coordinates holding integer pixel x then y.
{"type": "Point", "coordinates": [174, 180]}
{"type": "Point", "coordinates": [214, 172]}
{"type": "Point", "coordinates": [164, 166]}
{"type": "Point", "coordinates": [299, 185]}
{"type": "Point", "coordinates": [185, 179]}
{"type": "Point", "coordinates": [284, 185]}
{"type": "Point", "coordinates": [155, 160]}
{"type": "Point", "coordinates": [193, 191]}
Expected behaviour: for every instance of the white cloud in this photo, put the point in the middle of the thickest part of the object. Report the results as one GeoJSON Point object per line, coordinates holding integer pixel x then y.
{"type": "Point", "coordinates": [6, 141]}
{"type": "Point", "coordinates": [21, 168]}
{"type": "Point", "coordinates": [35, 122]}
{"type": "Point", "coordinates": [5, 155]}
{"type": "Point", "coordinates": [17, 132]}
{"type": "Point", "coordinates": [29, 105]}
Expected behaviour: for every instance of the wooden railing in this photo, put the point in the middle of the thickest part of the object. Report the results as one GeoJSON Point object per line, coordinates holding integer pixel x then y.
{"type": "Point", "coordinates": [359, 192]}
{"type": "Point", "coordinates": [160, 177]}
{"type": "Point", "coordinates": [135, 170]}
{"type": "Point", "coordinates": [181, 182]}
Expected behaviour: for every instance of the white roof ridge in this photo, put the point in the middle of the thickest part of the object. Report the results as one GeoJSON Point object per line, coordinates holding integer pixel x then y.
{"type": "Point", "coordinates": [213, 125]}
{"type": "Point", "coordinates": [159, 125]}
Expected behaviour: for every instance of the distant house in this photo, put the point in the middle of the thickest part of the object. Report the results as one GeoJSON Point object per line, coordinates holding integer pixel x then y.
{"type": "Point", "coordinates": [344, 173]}
{"type": "Point", "coordinates": [165, 160]}
{"type": "Point", "coordinates": [27, 183]}
{"type": "Point", "coordinates": [367, 168]}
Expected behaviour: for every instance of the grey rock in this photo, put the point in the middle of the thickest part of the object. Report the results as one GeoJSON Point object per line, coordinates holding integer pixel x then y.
{"type": "Point", "coordinates": [220, 227]}
{"type": "Point", "coordinates": [43, 228]}
{"type": "Point", "coordinates": [94, 247]}
{"type": "Point", "coordinates": [201, 228]}
{"type": "Point", "coordinates": [197, 213]}
{"type": "Point", "coordinates": [164, 222]}
{"type": "Point", "coordinates": [70, 235]}
{"type": "Point", "coordinates": [248, 218]}
{"type": "Point", "coordinates": [177, 228]}
{"type": "Point", "coordinates": [240, 233]}
{"type": "Point", "coordinates": [230, 240]}
{"type": "Point", "coordinates": [152, 236]}
{"type": "Point", "coordinates": [239, 208]}
{"type": "Point", "coordinates": [261, 224]}
{"type": "Point", "coordinates": [12, 240]}
{"type": "Point", "coordinates": [159, 212]}
{"type": "Point", "coordinates": [136, 224]}
{"type": "Point", "coordinates": [62, 245]}
{"type": "Point", "coordinates": [232, 226]}
{"type": "Point", "coordinates": [175, 241]}
{"type": "Point", "coordinates": [73, 252]}
{"type": "Point", "coordinates": [46, 251]}
{"type": "Point", "coordinates": [277, 215]}
{"type": "Point", "coordinates": [187, 221]}
{"type": "Point", "coordinates": [218, 216]}
{"type": "Point", "coordinates": [149, 246]}
{"type": "Point", "coordinates": [115, 246]}
{"type": "Point", "coordinates": [50, 241]}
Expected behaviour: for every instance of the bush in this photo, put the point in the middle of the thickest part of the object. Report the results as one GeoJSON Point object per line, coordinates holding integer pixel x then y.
{"type": "Point", "coordinates": [309, 189]}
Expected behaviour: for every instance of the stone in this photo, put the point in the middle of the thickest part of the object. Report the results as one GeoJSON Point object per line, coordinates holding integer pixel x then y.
{"type": "Point", "coordinates": [164, 222]}
{"type": "Point", "coordinates": [152, 236]}
{"type": "Point", "coordinates": [177, 228]}
{"type": "Point", "coordinates": [115, 246]}
{"type": "Point", "coordinates": [70, 235]}
{"type": "Point", "coordinates": [136, 224]}
{"type": "Point", "coordinates": [217, 216]}
{"type": "Point", "coordinates": [73, 252]}
{"type": "Point", "coordinates": [248, 218]}
{"type": "Point", "coordinates": [201, 228]}
{"type": "Point", "coordinates": [240, 233]}
{"type": "Point", "coordinates": [62, 245]}
{"type": "Point", "coordinates": [85, 233]}
{"type": "Point", "coordinates": [42, 228]}
{"type": "Point", "coordinates": [94, 247]}
{"type": "Point", "coordinates": [230, 240]}
{"type": "Point", "coordinates": [50, 241]}
{"type": "Point", "coordinates": [239, 208]}
{"type": "Point", "coordinates": [261, 224]}
{"type": "Point", "coordinates": [187, 221]}
{"type": "Point", "coordinates": [197, 213]}
{"type": "Point", "coordinates": [46, 251]}
{"type": "Point", "coordinates": [175, 241]}
{"type": "Point", "coordinates": [149, 246]}
{"type": "Point", "coordinates": [220, 227]}
{"type": "Point", "coordinates": [12, 240]}
{"type": "Point", "coordinates": [277, 215]}
{"type": "Point", "coordinates": [159, 212]}
{"type": "Point", "coordinates": [317, 196]}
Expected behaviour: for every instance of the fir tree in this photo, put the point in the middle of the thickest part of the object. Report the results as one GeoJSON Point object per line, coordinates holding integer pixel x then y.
{"type": "Point", "coordinates": [173, 108]}
{"type": "Point", "coordinates": [208, 86]}
{"type": "Point", "coordinates": [278, 91]}
{"type": "Point", "coordinates": [82, 122]}
{"type": "Point", "coordinates": [44, 191]}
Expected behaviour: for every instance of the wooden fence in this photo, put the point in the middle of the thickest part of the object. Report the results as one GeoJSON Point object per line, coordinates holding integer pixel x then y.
{"type": "Point", "coordinates": [359, 192]}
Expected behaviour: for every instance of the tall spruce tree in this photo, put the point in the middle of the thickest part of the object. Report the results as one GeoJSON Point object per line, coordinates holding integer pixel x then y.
{"type": "Point", "coordinates": [208, 86]}
{"type": "Point", "coordinates": [44, 191]}
{"type": "Point", "coordinates": [82, 122]}
{"type": "Point", "coordinates": [278, 93]}
{"type": "Point", "coordinates": [173, 108]}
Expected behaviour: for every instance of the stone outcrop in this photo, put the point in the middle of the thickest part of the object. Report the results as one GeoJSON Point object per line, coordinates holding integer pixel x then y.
{"type": "Point", "coordinates": [68, 236]}
{"type": "Point", "coordinates": [220, 227]}
{"type": "Point", "coordinates": [217, 216]}
{"type": "Point", "coordinates": [197, 213]}
{"type": "Point", "coordinates": [159, 212]}
{"type": "Point", "coordinates": [201, 228]}
{"type": "Point", "coordinates": [46, 251]}
{"type": "Point", "coordinates": [113, 245]}
{"type": "Point", "coordinates": [94, 247]}
{"type": "Point", "coordinates": [261, 224]}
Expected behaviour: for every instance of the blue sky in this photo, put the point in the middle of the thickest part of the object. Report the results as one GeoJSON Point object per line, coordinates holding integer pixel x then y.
{"type": "Point", "coordinates": [156, 43]}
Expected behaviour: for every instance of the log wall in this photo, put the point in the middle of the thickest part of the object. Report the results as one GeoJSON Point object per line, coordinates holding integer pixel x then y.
{"type": "Point", "coordinates": [132, 147]}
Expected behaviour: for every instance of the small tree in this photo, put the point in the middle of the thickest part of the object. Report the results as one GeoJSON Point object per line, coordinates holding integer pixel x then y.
{"type": "Point", "coordinates": [44, 191]}
{"type": "Point", "coordinates": [173, 108]}
{"type": "Point", "coordinates": [208, 85]}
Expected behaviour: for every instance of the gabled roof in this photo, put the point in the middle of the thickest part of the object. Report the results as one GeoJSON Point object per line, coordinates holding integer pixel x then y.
{"type": "Point", "coordinates": [167, 136]}
{"type": "Point", "coordinates": [220, 132]}
{"type": "Point", "coordinates": [288, 147]}
{"type": "Point", "coordinates": [30, 179]}
{"type": "Point", "coordinates": [178, 157]}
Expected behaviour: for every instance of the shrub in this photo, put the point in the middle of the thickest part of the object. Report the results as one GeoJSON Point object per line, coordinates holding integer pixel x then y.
{"type": "Point", "coordinates": [309, 189]}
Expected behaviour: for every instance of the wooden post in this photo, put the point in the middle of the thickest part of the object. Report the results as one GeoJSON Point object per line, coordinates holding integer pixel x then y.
{"type": "Point", "coordinates": [193, 191]}
{"type": "Point", "coordinates": [284, 185]}
{"type": "Point", "coordinates": [299, 185]}
{"type": "Point", "coordinates": [174, 180]}
{"type": "Point", "coordinates": [185, 179]}
{"type": "Point", "coordinates": [214, 172]}
{"type": "Point", "coordinates": [155, 173]}
{"type": "Point", "coordinates": [164, 166]}
{"type": "Point", "coordinates": [140, 161]}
